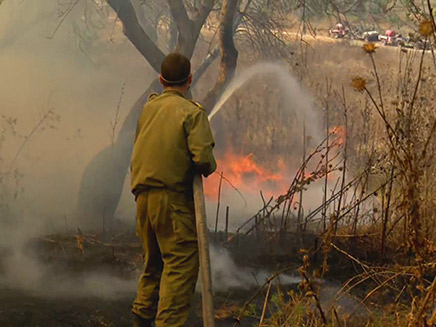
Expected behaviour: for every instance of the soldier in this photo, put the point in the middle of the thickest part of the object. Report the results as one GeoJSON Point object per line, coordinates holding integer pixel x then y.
{"type": "Point", "coordinates": [173, 143]}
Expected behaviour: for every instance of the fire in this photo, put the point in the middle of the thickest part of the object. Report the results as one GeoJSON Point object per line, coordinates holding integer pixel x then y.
{"type": "Point", "coordinates": [245, 174]}
{"type": "Point", "coordinates": [339, 133]}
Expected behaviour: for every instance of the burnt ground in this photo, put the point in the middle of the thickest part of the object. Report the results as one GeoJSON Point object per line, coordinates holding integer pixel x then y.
{"type": "Point", "coordinates": [24, 309]}
{"type": "Point", "coordinates": [73, 257]}
{"type": "Point", "coordinates": [77, 266]}
{"type": "Point", "coordinates": [19, 309]}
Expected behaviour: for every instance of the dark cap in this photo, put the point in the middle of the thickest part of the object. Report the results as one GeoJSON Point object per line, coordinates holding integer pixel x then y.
{"type": "Point", "coordinates": [175, 69]}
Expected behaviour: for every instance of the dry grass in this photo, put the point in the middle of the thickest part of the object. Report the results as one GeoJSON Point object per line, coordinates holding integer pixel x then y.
{"type": "Point", "coordinates": [386, 230]}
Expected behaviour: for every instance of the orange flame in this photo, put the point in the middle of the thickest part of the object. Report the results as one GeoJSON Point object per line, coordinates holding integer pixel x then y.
{"type": "Point", "coordinates": [339, 133]}
{"type": "Point", "coordinates": [250, 177]}
{"type": "Point", "coordinates": [245, 174]}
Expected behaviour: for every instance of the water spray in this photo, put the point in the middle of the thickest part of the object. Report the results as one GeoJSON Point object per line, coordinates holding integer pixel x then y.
{"type": "Point", "coordinates": [299, 101]}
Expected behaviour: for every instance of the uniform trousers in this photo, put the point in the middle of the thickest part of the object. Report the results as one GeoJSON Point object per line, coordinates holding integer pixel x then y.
{"type": "Point", "coordinates": [166, 226]}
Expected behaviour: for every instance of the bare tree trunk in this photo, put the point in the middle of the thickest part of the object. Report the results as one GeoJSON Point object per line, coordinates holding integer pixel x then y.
{"type": "Point", "coordinates": [204, 66]}
{"type": "Point", "coordinates": [229, 53]}
{"type": "Point", "coordinates": [187, 37]}
{"type": "Point", "coordinates": [189, 29]}
{"type": "Point", "coordinates": [135, 33]}
{"type": "Point", "coordinates": [103, 178]}
{"type": "Point", "coordinates": [174, 34]}
{"type": "Point", "coordinates": [149, 26]}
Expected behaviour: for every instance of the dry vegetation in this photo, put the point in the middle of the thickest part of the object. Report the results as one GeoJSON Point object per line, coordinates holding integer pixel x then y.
{"type": "Point", "coordinates": [379, 216]}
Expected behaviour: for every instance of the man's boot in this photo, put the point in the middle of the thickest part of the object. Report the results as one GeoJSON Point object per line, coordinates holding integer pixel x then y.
{"type": "Point", "coordinates": [141, 322]}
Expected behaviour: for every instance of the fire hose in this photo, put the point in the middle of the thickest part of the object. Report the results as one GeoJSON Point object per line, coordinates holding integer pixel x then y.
{"type": "Point", "coordinates": [203, 248]}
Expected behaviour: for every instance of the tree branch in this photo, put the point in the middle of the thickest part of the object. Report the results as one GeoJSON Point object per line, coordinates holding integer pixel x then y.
{"type": "Point", "coordinates": [206, 7]}
{"type": "Point", "coordinates": [178, 11]}
{"type": "Point", "coordinates": [229, 53]}
{"type": "Point", "coordinates": [204, 65]}
{"type": "Point", "coordinates": [135, 33]}
{"type": "Point", "coordinates": [189, 30]}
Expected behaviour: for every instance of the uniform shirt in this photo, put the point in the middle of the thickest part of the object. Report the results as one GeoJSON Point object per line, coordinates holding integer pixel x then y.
{"type": "Point", "coordinates": [173, 142]}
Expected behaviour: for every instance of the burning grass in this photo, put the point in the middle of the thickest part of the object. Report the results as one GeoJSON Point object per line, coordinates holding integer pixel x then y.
{"type": "Point", "coordinates": [245, 174]}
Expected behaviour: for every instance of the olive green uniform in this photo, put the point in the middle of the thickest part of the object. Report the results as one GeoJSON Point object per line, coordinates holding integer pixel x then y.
{"type": "Point", "coordinates": [173, 142]}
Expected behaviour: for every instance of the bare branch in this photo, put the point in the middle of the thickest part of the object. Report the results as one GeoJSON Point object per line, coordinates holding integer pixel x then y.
{"type": "Point", "coordinates": [229, 53]}
{"type": "Point", "coordinates": [135, 33]}
{"type": "Point", "coordinates": [178, 11]}
{"type": "Point", "coordinates": [189, 30]}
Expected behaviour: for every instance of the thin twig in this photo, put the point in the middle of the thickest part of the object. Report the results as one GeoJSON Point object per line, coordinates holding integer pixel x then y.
{"type": "Point", "coordinates": [219, 202]}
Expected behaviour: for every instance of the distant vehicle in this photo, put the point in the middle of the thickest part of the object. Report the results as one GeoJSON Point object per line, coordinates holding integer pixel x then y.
{"type": "Point", "coordinates": [391, 38]}
{"type": "Point", "coordinates": [365, 34]}
{"type": "Point", "coordinates": [370, 36]}
{"type": "Point", "coordinates": [338, 32]}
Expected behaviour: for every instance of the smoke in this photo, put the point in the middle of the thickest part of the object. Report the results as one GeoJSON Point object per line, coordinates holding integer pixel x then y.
{"type": "Point", "coordinates": [246, 177]}
{"type": "Point", "coordinates": [23, 272]}
{"type": "Point", "coordinates": [77, 74]}
{"type": "Point", "coordinates": [226, 274]}
{"type": "Point", "coordinates": [62, 74]}
{"type": "Point", "coordinates": [295, 98]}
